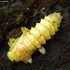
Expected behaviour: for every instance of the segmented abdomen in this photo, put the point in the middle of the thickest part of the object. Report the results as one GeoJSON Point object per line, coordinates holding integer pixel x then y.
{"type": "Point", "coordinates": [23, 47]}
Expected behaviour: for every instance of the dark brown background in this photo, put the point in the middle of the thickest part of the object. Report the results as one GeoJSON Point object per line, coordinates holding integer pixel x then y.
{"type": "Point", "coordinates": [15, 14]}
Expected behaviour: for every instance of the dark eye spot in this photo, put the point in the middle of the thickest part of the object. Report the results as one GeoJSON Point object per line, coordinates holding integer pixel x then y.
{"type": "Point", "coordinates": [29, 33]}
{"type": "Point", "coordinates": [27, 42]}
{"type": "Point", "coordinates": [53, 21]}
{"type": "Point", "coordinates": [26, 51]}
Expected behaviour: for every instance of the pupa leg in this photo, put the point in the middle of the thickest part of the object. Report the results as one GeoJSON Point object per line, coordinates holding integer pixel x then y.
{"type": "Point", "coordinates": [42, 50]}
{"type": "Point", "coordinates": [11, 40]}
{"type": "Point", "coordinates": [24, 30]}
{"type": "Point", "coordinates": [29, 60]}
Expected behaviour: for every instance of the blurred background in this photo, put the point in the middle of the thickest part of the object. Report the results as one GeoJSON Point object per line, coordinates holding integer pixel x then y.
{"type": "Point", "coordinates": [15, 14]}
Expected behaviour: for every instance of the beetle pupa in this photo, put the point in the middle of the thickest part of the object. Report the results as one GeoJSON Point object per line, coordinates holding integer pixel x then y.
{"type": "Point", "coordinates": [31, 40]}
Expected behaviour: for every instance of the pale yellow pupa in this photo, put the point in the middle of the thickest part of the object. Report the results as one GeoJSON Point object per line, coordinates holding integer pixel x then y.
{"type": "Point", "coordinates": [22, 48]}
